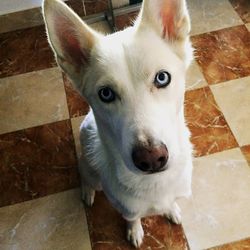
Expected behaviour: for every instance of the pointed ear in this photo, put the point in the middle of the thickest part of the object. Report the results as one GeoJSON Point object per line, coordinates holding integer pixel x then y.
{"type": "Point", "coordinates": [168, 17]}
{"type": "Point", "coordinates": [70, 38]}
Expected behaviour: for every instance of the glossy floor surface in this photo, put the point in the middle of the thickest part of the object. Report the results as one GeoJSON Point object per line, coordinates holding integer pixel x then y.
{"type": "Point", "coordinates": [40, 114]}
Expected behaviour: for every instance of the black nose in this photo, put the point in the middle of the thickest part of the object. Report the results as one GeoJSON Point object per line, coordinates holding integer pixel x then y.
{"type": "Point", "coordinates": [150, 159]}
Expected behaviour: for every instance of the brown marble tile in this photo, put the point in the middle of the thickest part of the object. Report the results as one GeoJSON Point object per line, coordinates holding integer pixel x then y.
{"type": "Point", "coordinates": [95, 6]}
{"type": "Point", "coordinates": [238, 245]}
{"type": "Point", "coordinates": [36, 162]}
{"type": "Point", "coordinates": [24, 51]}
{"type": "Point", "coordinates": [242, 7]}
{"type": "Point", "coordinates": [209, 129]}
{"type": "Point", "coordinates": [246, 152]}
{"type": "Point", "coordinates": [77, 6]}
{"type": "Point", "coordinates": [108, 230]}
{"type": "Point", "coordinates": [126, 20]}
{"type": "Point", "coordinates": [76, 123]}
{"type": "Point", "coordinates": [76, 103]}
{"type": "Point", "coordinates": [223, 55]}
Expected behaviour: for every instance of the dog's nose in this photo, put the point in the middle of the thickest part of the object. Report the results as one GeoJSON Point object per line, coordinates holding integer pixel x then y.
{"type": "Point", "coordinates": [150, 159]}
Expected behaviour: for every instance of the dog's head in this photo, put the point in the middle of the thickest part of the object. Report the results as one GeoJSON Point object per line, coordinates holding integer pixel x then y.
{"type": "Point", "coordinates": [132, 79]}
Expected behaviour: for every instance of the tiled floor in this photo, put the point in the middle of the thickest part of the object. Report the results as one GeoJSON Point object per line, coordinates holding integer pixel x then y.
{"type": "Point", "coordinates": [40, 114]}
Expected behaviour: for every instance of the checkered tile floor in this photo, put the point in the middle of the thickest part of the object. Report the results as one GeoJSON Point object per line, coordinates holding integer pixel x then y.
{"type": "Point", "coordinates": [40, 114]}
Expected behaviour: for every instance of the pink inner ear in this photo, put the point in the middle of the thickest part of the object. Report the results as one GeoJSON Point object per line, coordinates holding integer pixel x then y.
{"type": "Point", "coordinates": [70, 44]}
{"type": "Point", "coordinates": [168, 13]}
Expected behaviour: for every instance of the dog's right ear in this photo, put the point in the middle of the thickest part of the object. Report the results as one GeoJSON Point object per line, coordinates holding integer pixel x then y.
{"type": "Point", "coordinates": [70, 38]}
{"type": "Point", "coordinates": [169, 18]}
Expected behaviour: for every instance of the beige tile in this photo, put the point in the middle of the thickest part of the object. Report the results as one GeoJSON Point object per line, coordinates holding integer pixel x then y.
{"type": "Point", "coordinates": [219, 210]}
{"type": "Point", "coordinates": [233, 99]}
{"type": "Point", "coordinates": [102, 27]}
{"type": "Point", "coordinates": [54, 222]}
{"type": "Point", "coordinates": [76, 122]}
{"type": "Point", "coordinates": [21, 20]}
{"type": "Point", "coordinates": [32, 99]}
{"type": "Point", "coordinates": [211, 15]}
{"type": "Point", "coordinates": [248, 26]}
{"type": "Point", "coordinates": [195, 78]}
{"type": "Point", "coordinates": [120, 3]}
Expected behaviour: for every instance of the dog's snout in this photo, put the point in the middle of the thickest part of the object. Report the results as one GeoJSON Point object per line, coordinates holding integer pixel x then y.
{"type": "Point", "coordinates": [150, 159]}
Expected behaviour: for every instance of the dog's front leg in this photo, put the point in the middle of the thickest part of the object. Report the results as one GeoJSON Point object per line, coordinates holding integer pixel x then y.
{"type": "Point", "coordinates": [135, 232]}
{"type": "Point", "coordinates": [174, 214]}
{"type": "Point", "coordinates": [88, 194]}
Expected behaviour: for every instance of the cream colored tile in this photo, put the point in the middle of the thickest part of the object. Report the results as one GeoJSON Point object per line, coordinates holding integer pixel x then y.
{"type": "Point", "coordinates": [195, 78]}
{"type": "Point", "coordinates": [248, 26]}
{"type": "Point", "coordinates": [54, 222]}
{"type": "Point", "coordinates": [233, 98]}
{"type": "Point", "coordinates": [219, 209]}
{"type": "Point", "coordinates": [102, 27]}
{"type": "Point", "coordinates": [32, 99]}
{"type": "Point", "coordinates": [211, 15]}
{"type": "Point", "coordinates": [76, 122]}
{"type": "Point", "coordinates": [119, 3]}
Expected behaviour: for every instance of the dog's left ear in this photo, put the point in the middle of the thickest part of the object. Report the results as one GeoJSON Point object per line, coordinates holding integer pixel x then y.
{"type": "Point", "coordinates": [70, 38]}
{"type": "Point", "coordinates": [168, 17]}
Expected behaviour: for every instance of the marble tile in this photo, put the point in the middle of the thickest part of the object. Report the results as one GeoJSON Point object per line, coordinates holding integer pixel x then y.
{"type": "Point", "coordinates": [13, 6]}
{"type": "Point", "coordinates": [195, 78]}
{"type": "Point", "coordinates": [248, 26]}
{"type": "Point", "coordinates": [54, 222]}
{"type": "Point", "coordinates": [32, 99]}
{"type": "Point", "coordinates": [32, 17]}
{"type": "Point", "coordinates": [120, 3]}
{"type": "Point", "coordinates": [246, 152]}
{"type": "Point", "coordinates": [242, 7]}
{"type": "Point", "coordinates": [211, 15]}
{"type": "Point", "coordinates": [125, 20]}
{"type": "Point", "coordinates": [238, 245]}
{"type": "Point", "coordinates": [107, 230]}
{"type": "Point", "coordinates": [24, 51]}
{"type": "Point", "coordinates": [77, 6]}
{"type": "Point", "coordinates": [76, 122]}
{"type": "Point", "coordinates": [95, 6]}
{"type": "Point", "coordinates": [223, 55]}
{"type": "Point", "coordinates": [36, 162]}
{"type": "Point", "coordinates": [102, 27]}
{"type": "Point", "coordinates": [219, 210]}
{"type": "Point", "coordinates": [233, 99]}
{"type": "Point", "coordinates": [209, 129]}
{"type": "Point", "coordinates": [77, 104]}
{"type": "Point", "coordinates": [21, 20]}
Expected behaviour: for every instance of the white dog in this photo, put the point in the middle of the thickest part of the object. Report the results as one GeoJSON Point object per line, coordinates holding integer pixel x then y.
{"type": "Point", "coordinates": [134, 140]}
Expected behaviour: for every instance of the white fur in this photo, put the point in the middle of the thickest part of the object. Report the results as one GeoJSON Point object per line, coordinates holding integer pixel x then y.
{"type": "Point", "coordinates": [127, 61]}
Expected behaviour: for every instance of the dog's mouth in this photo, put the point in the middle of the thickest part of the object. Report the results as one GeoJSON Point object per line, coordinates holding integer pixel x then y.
{"type": "Point", "coordinates": [145, 171]}
{"type": "Point", "coordinates": [153, 171]}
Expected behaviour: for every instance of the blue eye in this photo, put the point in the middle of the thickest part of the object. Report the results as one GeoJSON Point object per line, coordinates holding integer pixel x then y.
{"type": "Point", "coordinates": [106, 94]}
{"type": "Point", "coordinates": [162, 79]}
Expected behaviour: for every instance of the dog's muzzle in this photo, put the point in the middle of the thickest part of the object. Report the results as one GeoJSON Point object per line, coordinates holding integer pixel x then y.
{"type": "Point", "coordinates": [150, 159]}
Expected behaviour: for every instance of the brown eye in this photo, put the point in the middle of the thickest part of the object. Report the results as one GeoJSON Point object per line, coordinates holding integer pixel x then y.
{"type": "Point", "coordinates": [162, 79]}
{"type": "Point", "coordinates": [106, 94]}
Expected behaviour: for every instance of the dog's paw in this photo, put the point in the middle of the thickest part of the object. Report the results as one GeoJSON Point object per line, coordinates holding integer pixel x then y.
{"type": "Point", "coordinates": [135, 233]}
{"type": "Point", "coordinates": [174, 214]}
{"type": "Point", "coordinates": [88, 195]}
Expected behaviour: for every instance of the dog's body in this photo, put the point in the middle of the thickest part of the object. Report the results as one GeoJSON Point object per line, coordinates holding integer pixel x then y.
{"type": "Point", "coordinates": [135, 144]}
